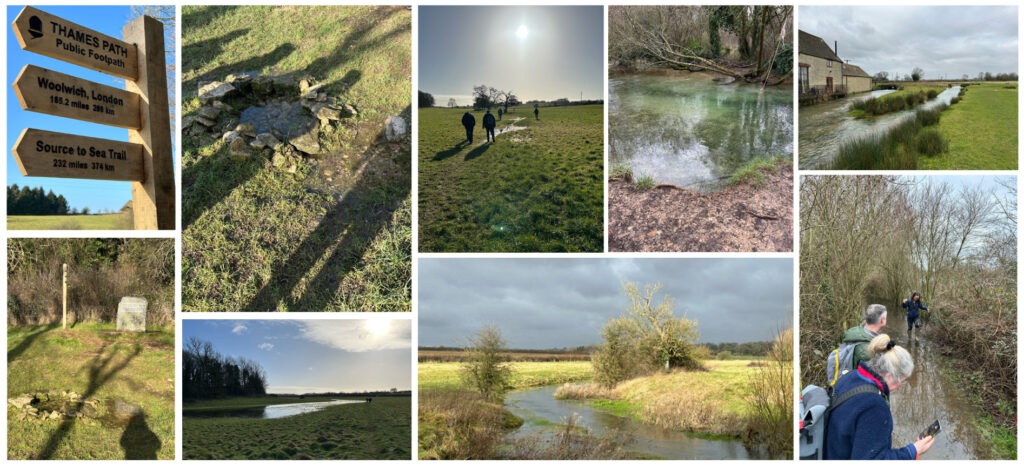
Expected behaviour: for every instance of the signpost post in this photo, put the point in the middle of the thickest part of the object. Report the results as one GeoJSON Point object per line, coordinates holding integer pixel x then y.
{"type": "Point", "coordinates": [64, 304]}
{"type": "Point", "coordinates": [142, 108]}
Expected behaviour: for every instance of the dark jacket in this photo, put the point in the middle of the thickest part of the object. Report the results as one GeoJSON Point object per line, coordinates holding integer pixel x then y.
{"type": "Point", "coordinates": [468, 120]}
{"type": "Point", "coordinates": [914, 307]}
{"type": "Point", "coordinates": [489, 120]}
{"type": "Point", "coordinates": [861, 428]}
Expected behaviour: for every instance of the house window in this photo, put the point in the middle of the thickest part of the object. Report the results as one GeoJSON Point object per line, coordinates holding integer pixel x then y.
{"type": "Point", "coordinates": [828, 62]}
{"type": "Point", "coordinates": [828, 85]}
{"type": "Point", "coordinates": [805, 85]}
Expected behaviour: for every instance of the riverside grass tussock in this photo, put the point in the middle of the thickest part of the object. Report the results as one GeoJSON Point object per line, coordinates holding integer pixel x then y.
{"type": "Point", "coordinates": [897, 148]}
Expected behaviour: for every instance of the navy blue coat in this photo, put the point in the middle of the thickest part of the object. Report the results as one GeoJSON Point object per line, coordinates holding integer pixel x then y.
{"type": "Point", "coordinates": [914, 308]}
{"type": "Point", "coordinates": [861, 428]}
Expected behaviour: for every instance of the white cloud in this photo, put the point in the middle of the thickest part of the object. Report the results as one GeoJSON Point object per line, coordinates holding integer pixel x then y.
{"type": "Point", "coordinates": [353, 336]}
{"type": "Point", "coordinates": [239, 329]}
{"type": "Point", "coordinates": [266, 346]}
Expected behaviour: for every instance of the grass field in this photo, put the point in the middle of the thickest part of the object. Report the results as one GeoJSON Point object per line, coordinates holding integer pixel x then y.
{"type": "Point", "coordinates": [69, 222]}
{"type": "Point", "coordinates": [336, 234]}
{"type": "Point", "coordinates": [538, 189]}
{"type": "Point", "coordinates": [445, 375]}
{"type": "Point", "coordinates": [96, 362]}
{"type": "Point", "coordinates": [981, 130]}
{"type": "Point", "coordinates": [374, 431]}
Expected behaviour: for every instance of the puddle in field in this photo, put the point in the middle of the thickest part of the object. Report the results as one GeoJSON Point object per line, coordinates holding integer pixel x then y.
{"type": "Point", "coordinates": [267, 411]}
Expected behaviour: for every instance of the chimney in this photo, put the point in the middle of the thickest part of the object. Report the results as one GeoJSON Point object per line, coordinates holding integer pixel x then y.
{"type": "Point", "coordinates": [837, 48]}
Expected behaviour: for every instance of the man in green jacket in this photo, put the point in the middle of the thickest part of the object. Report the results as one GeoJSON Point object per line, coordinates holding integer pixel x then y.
{"type": "Point", "coordinates": [874, 319]}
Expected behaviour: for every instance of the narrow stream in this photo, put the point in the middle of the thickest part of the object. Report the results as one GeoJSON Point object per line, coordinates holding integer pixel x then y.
{"type": "Point", "coordinates": [823, 127]}
{"type": "Point", "coordinates": [687, 129]}
{"type": "Point", "coordinates": [929, 395]}
{"type": "Point", "coordinates": [539, 408]}
{"type": "Point", "coordinates": [267, 411]}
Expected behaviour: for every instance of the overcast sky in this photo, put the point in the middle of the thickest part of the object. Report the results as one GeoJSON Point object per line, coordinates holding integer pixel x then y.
{"type": "Point", "coordinates": [946, 42]}
{"type": "Point", "coordinates": [552, 302]}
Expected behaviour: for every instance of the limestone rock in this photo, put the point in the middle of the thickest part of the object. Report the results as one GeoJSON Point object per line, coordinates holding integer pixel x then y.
{"type": "Point", "coordinates": [205, 122]}
{"type": "Point", "coordinates": [239, 149]}
{"type": "Point", "coordinates": [262, 85]}
{"type": "Point", "coordinates": [214, 91]}
{"type": "Point", "coordinates": [230, 136]}
{"type": "Point", "coordinates": [395, 128]}
{"type": "Point", "coordinates": [306, 139]}
{"type": "Point", "coordinates": [20, 401]}
{"type": "Point", "coordinates": [265, 140]}
{"type": "Point", "coordinates": [209, 112]}
{"type": "Point", "coordinates": [329, 113]}
{"type": "Point", "coordinates": [236, 78]}
{"type": "Point", "coordinates": [223, 106]}
{"type": "Point", "coordinates": [246, 129]}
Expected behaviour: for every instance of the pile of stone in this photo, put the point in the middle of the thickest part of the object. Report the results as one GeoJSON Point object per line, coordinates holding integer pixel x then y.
{"type": "Point", "coordinates": [284, 119]}
{"type": "Point", "coordinates": [54, 406]}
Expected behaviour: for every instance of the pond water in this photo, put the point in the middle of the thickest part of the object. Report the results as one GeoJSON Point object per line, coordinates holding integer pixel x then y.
{"type": "Point", "coordinates": [927, 396]}
{"type": "Point", "coordinates": [268, 411]}
{"type": "Point", "coordinates": [823, 127]}
{"type": "Point", "coordinates": [539, 407]}
{"type": "Point", "coordinates": [686, 129]}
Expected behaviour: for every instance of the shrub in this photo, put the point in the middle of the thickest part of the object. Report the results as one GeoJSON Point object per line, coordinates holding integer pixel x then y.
{"type": "Point", "coordinates": [931, 143]}
{"type": "Point", "coordinates": [620, 171]}
{"type": "Point", "coordinates": [955, 100]}
{"type": "Point", "coordinates": [771, 419]}
{"type": "Point", "coordinates": [724, 356]}
{"type": "Point", "coordinates": [932, 94]}
{"type": "Point", "coordinates": [487, 370]}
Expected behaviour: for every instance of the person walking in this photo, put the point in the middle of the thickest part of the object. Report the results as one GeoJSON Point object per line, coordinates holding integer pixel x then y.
{"type": "Point", "coordinates": [499, 114]}
{"type": "Point", "coordinates": [860, 426]}
{"type": "Point", "coordinates": [536, 111]}
{"type": "Point", "coordinates": [874, 320]}
{"type": "Point", "coordinates": [913, 305]}
{"type": "Point", "coordinates": [489, 125]}
{"type": "Point", "coordinates": [469, 122]}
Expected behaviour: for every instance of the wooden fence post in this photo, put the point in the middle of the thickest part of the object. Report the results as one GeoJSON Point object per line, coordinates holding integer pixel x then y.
{"type": "Point", "coordinates": [64, 314]}
{"type": "Point", "coordinates": [153, 201]}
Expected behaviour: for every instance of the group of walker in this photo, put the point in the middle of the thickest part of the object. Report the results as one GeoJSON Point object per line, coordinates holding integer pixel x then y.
{"type": "Point", "coordinates": [850, 419]}
{"type": "Point", "coordinates": [489, 123]}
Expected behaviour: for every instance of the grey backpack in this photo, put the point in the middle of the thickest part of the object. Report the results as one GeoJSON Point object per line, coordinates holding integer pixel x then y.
{"type": "Point", "coordinates": [840, 362]}
{"type": "Point", "coordinates": [816, 406]}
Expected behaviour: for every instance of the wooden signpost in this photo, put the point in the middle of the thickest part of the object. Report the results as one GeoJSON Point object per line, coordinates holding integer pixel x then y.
{"type": "Point", "coordinates": [142, 108]}
{"type": "Point", "coordinates": [64, 304]}
{"type": "Point", "coordinates": [48, 92]}
{"type": "Point", "coordinates": [56, 155]}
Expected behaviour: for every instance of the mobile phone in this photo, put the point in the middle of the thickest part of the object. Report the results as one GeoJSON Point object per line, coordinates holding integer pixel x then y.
{"type": "Point", "coordinates": [931, 431]}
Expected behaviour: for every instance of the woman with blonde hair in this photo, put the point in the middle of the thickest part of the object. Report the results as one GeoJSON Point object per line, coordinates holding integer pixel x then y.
{"type": "Point", "coordinates": [860, 425]}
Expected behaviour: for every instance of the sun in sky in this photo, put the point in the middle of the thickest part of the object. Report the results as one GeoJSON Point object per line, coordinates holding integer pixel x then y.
{"type": "Point", "coordinates": [378, 326]}
{"type": "Point", "coordinates": [523, 31]}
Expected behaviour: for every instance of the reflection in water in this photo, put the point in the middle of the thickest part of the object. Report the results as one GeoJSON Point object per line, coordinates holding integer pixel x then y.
{"type": "Point", "coordinates": [823, 127]}
{"type": "Point", "coordinates": [539, 406]}
{"type": "Point", "coordinates": [684, 129]}
{"type": "Point", "coordinates": [269, 411]}
{"type": "Point", "coordinates": [927, 396]}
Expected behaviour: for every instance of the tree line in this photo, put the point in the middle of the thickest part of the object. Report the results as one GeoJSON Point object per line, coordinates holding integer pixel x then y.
{"type": "Point", "coordinates": [35, 201]}
{"type": "Point", "coordinates": [918, 73]}
{"type": "Point", "coordinates": [207, 374]}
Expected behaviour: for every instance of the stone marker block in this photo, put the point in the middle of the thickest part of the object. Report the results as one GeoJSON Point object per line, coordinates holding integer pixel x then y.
{"type": "Point", "coordinates": [131, 314]}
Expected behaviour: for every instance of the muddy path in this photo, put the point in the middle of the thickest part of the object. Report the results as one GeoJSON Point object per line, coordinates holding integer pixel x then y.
{"type": "Point", "coordinates": [669, 219]}
{"type": "Point", "coordinates": [931, 395]}
{"type": "Point", "coordinates": [541, 411]}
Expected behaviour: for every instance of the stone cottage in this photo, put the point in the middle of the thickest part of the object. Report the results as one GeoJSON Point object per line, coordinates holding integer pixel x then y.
{"type": "Point", "coordinates": [821, 70]}
{"type": "Point", "coordinates": [856, 79]}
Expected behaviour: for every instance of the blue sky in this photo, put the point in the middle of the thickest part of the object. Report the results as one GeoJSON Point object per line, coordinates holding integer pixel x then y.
{"type": "Point", "coordinates": [94, 194]}
{"type": "Point", "coordinates": [560, 54]}
{"type": "Point", "coordinates": [310, 356]}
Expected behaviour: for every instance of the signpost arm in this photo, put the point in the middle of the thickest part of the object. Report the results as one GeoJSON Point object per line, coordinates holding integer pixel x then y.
{"type": "Point", "coordinates": [153, 199]}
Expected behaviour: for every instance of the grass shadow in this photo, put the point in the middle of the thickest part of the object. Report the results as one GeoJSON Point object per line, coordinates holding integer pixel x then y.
{"type": "Point", "coordinates": [478, 151]}
{"type": "Point", "coordinates": [20, 349]}
{"type": "Point", "coordinates": [346, 232]}
{"type": "Point", "coordinates": [445, 154]}
{"type": "Point", "coordinates": [355, 44]}
{"type": "Point", "coordinates": [102, 369]}
{"type": "Point", "coordinates": [194, 53]}
{"type": "Point", "coordinates": [191, 14]}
